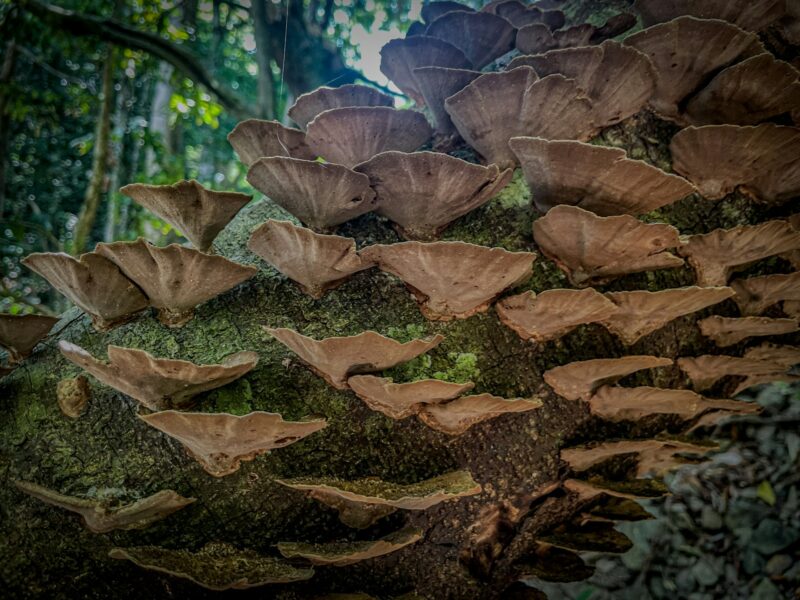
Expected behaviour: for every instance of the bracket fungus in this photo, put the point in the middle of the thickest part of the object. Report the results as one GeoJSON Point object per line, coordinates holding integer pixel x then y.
{"type": "Point", "coordinates": [592, 249]}
{"type": "Point", "coordinates": [158, 383]}
{"type": "Point", "coordinates": [216, 566]}
{"type": "Point", "coordinates": [254, 138]}
{"type": "Point", "coordinates": [436, 84]}
{"type": "Point", "coordinates": [596, 178]}
{"type": "Point", "coordinates": [727, 331]}
{"type": "Point", "coordinates": [787, 356]}
{"type": "Point", "coordinates": [433, 10]}
{"type": "Point", "coordinates": [452, 280]}
{"type": "Point", "coordinates": [579, 380]}
{"type": "Point", "coordinates": [72, 395]}
{"type": "Point", "coordinates": [754, 295]}
{"type": "Point", "coordinates": [456, 417]}
{"type": "Point", "coordinates": [316, 262]}
{"type": "Point", "coordinates": [341, 554]}
{"type": "Point", "coordinates": [93, 283]}
{"type": "Point", "coordinates": [401, 400]}
{"type": "Point", "coordinates": [423, 192]}
{"type": "Point", "coordinates": [174, 278]}
{"type": "Point", "coordinates": [336, 358]}
{"type": "Point", "coordinates": [704, 371]}
{"type": "Point", "coordinates": [220, 441]}
{"type": "Point", "coordinates": [752, 15]}
{"type": "Point", "coordinates": [198, 213]}
{"type": "Point", "coordinates": [481, 36]}
{"type": "Point", "coordinates": [102, 517]}
{"type": "Point", "coordinates": [520, 14]}
{"type": "Point", "coordinates": [19, 334]}
{"type": "Point", "coordinates": [536, 38]}
{"type": "Point", "coordinates": [309, 105]}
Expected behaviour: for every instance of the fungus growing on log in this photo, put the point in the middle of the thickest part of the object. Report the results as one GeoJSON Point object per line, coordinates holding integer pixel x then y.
{"type": "Point", "coordinates": [704, 371]}
{"type": "Point", "coordinates": [72, 394]}
{"type": "Point", "coordinates": [593, 250]}
{"type": "Point", "coordinates": [104, 516]}
{"type": "Point", "coordinates": [551, 563]}
{"type": "Point", "coordinates": [587, 534]}
{"type": "Point", "coordinates": [317, 262]}
{"type": "Point", "coordinates": [436, 84]}
{"type": "Point", "coordinates": [727, 331]}
{"type": "Point", "coordinates": [401, 400]}
{"type": "Point", "coordinates": [787, 356]}
{"type": "Point", "coordinates": [220, 441]}
{"type": "Point", "coordinates": [596, 178]}
{"type": "Point", "coordinates": [433, 10]}
{"type": "Point", "coordinates": [341, 554]}
{"type": "Point", "coordinates": [336, 358]}
{"type": "Point", "coordinates": [482, 37]}
{"type": "Point", "coordinates": [158, 383]}
{"type": "Point", "coordinates": [175, 279]}
{"type": "Point", "coordinates": [537, 38]}
{"type": "Point", "coordinates": [216, 566]}
{"type": "Point", "coordinates": [579, 380]}
{"type": "Point", "coordinates": [752, 15]}
{"type": "Point", "coordinates": [19, 334]}
{"type": "Point", "coordinates": [309, 105]}
{"type": "Point", "coordinates": [520, 14]}
{"type": "Point", "coordinates": [93, 283]}
{"type": "Point", "coordinates": [254, 138]}
{"type": "Point", "coordinates": [754, 295]}
{"type": "Point", "coordinates": [456, 417]}
{"type": "Point", "coordinates": [423, 192]}
{"type": "Point", "coordinates": [452, 280]}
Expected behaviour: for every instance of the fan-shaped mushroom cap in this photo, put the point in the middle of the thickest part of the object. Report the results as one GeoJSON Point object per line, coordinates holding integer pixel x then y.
{"type": "Point", "coordinates": [452, 279]}
{"type": "Point", "coordinates": [433, 10]}
{"type": "Point", "coordinates": [592, 249]}
{"type": "Point", "coordinates": [482, 37]}
{"type": "Point", "coordinates": [102, 517]}
{"type": "Point", "coordinates": [498, 106]}
{"type": "Point", "coordinates": [685, 51]}
{"type": "Point", "coordinates": [520, 14]}
{"type": "Point", "coordinates": [309, 105]}
{"type": "Point", "coordinates": [536, 38]}
{"type": "Point", "coordinates": [705, 371]}
{"type": "Point", "coordinates": [640, 313]}
{"type": "Point", "coordinates": [341, 554]}
{"type": "Point", "coordinates": [756, 294]}
{"type": "Point", "coordinates": [715, 255]}
{"type": "Point", "coordinates": [254, 138]}
{"type": "Point", "coordinates": [726, 331]}
{"type": "Point", "coordinates": [786, 356]}
{"type": "Point", "coordinates": [752, 15]}
{"type": "Point", "coordinates": [654, 457]}
{"type": "Point", "coordinates": [599, 179]}
{"type": "Point", "coordinates": [436, 84]}
{"type": "Point", "coordinates": [19, 334]}
{"type": "Point", "coordinates": [158, 383]}
{"type": "Point", "coordinates": [198, 213]}
{"type": "Point", "coordinates": [552, 314]}
{"type": "Point", "coordinates": [401, 400]}
{"type": "Point", "coordinates": [349, 136]}
{"type": "Point", "coordinates": [91, 282]}
{"type": "Point", "coordinates": [336, 358]}
{"type": "Point", "coordinates": [320, 195]}
{"type": "Point", "coordinates": [174, 278]}
{"type": "Point", "coordinates": [216, 566]}
{"type": "Point", "coordinates": [317, 262]}
{"type": "Point", "coordinates": [423, 192]}
{"type": "Point", "coordinates": [220, 441]}
{"type": "Point", "coordinates": [579, 380]}
{"type": "Point", "coordinates": [454, 418]}
{"type": "Point", "coordinates": [760, 161]}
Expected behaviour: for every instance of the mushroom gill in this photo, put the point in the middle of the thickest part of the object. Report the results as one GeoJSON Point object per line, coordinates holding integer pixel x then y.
{"type": "Point", "coordinates": [727, 331]}
{"type": "Point", "coordinates": [580, 380]}
{"type": "Point", "coordinates": [309, 105]}
{"type": "Point", "coordinates": [254, 138]}
{"type": "Point", "coordinates": [341, 554]}
{"type": "Point", "coordinates": [401, 400]}
{"type": "Point", "coordinates": [481, 36]}
{"type": "Point", "coordinates": [456, 417]}
{"type": "Point", "coordinates": [19, 334]}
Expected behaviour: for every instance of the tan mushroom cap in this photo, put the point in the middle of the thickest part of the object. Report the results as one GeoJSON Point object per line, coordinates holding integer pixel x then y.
{"type": "Point", "coordinates": [254, 138]}
{"type": "Point", "coordinates": [336, 358]}
{"type": "Point", "coordinates": [433, 10]}
{"type": "Point", "coordinates": [752, 15]}
{"type": "Point", "coordinates": [654, 457]}
{"type": "Point", "coordinates": [592, 249]}
{"type": "Point", "coordinates": [320, 195]}
{"type": "Point", "coordinates": [640, 313]}
{"type": "Point", "coordinates": [482, 37]}
{"type": "Point", "coordinates": [520, 14]}
{"type": "Point", "coordinates": [552, 314]}
{"type": "Point", "coordinates": [175, 279]}
{"type": "Point", "coordinates": [704, 371]}
{"type": "Point", "coordinates": [423, 192]}
{"type": "Point", "coordinates": [456, 417]}
{"type": "Point", "coordinates": [452, 279]}
{"type": "Point", "coordinates": [100, 517]}
{"type": "Point", "coordinates": [715, 255]}
{"type": "Point", "coordinates": [198, 213]}
{"type": "Point", "coordinates": [72, 395]}
{"type": "Point", "coordinates": [536, 38]}
{"type": "Point", "coordinates": [760, 161]}
{"type": "Point", "coordinates": [158, 383]}
{"type": "Point", "coordinates": [685, 51]}
{"type": "Point", "coordinates": [794, 256]}
{"type": "Point", "coordinates": [220, 441]}
{"type": "Point", "coordinates": [309, 105]}
{"type": "Point", "coordinates": [498, 106]}
{"type": "Point", "coordinates": [216, 566]}
{"type": "Point", "coordinates": [754, 295]}
{"type": "Point", "coordinates": [19, 334]}
{"type": "Point", "coordinates": [787, 356]}
{"type": "Point", "coordinates": [350, 136]}
{"type": "Point", "coordinates": [579, 380]}
{"type": "Point", "coordinates": [596, 178]}
{"type": "Point", "coordinates": [91, 282]}
{"type": "Point", "coordinates": [341, 554]}
{"type": "Point", "coordinates": [401, 400]}
{"type": "Point", "coordinates": [727, 331]}
{"type": "Point", "coordinates": [316, 262]}
{"type": "Point", "coordinates": [436, 84]}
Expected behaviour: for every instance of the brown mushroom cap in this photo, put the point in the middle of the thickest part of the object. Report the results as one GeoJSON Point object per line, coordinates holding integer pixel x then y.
{"type": "Point", "coordinates": [756, 294]}
{"type": "Point", "coordinates": [423, 192]}
{"type": "Point", "coordinates": [536, 38]}
{"type": "Point", "coordinates": [401, 400]}
{"type": "Point", "coordinates": [654, 457]}
{"type": "Point", "coordinates": [520, 14]}
{"type": "Point", "coordinates": [433, 10]}
{"type": "Point", "coordinates": [175, 279]}
{"type": "Point", "coordinates": [436, 84]}
{"type": "Point", "coordinates": [456, 417]}
{"type": "Point", "coordinates": [220, 441]}
{"type": "Point", "coordinates": [341, 554]}
{"type": "Point", "coordinates": [254, 138]}
{"type": "Point", "coordinates": [640, 313]}
{"type": "Point", "coordinates": [336, 358]}
{"type": "Point", "coordinates": [452, 279]}
{"type": "Point", "coordinates": [482, 37]}
{"type": "Point", "coordinates": [19, 334]}
{"type": "Point", "coordinates": [752, 15]}
{"type": "Point", "coordinates": [317, 262]}
{"type": "Point", "coordinates": [705, 371]}
{"type": "Point", "coordinates": [552, 314]}
{"type": "Point", "coordinates": [158, 383]}
{"type": "Point", "coordinates": [726, 331]}
{"type": "Point", "coordinates": [100, 517]}
{"type": "Point", "coordinates": [599, 179]}
{"type": "Point", "coordinates": [197, 213]}
{"type": "Point", "coordinates": [579, 380]}
{"type": "Point", "coordinates": [592, 249]}
{"type": "Point", "coordinates": [91, 282]}
{"type": "Point", "coordinates": [787, 356]}
{"type": "Point", "coordinates": [72, 395]}
{"type": "Point", "coordinates": [309, 105]}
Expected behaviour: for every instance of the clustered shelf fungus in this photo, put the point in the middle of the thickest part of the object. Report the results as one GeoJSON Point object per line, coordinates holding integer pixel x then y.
{"type": "Point", "coordinates": [19, 334]}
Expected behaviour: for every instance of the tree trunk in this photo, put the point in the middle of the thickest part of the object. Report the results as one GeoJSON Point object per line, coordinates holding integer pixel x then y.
{"type": "Point", "coordinates": [159, 119]}
{"type": "Point", "coordinates": [261, 27]}
{"type": "Point", "coordinates": [6, 74]}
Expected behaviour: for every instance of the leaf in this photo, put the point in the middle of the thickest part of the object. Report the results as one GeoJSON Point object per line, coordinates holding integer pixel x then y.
{"type": "Point", "coordinates": [766, 493]}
